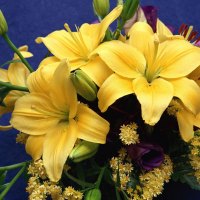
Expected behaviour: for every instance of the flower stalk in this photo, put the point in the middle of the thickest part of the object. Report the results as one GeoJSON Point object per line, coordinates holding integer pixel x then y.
{"type": "Point", "coordinates": [14, 48]}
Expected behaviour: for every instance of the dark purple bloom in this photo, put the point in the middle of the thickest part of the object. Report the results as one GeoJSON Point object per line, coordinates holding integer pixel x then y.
{"type": "Point", "coordinates": [151, 14]}
{"type": "Point", "coordinates": [146, 155]}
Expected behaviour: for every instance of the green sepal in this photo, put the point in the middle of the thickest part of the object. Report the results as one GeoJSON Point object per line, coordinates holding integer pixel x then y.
{"type": "Point", "coordinates": [94, 194]}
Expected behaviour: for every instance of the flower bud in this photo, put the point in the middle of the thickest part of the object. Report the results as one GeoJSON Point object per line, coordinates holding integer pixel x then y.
{"type": "Point", "coordinates": [83, 151]}
{"type": "Point", "coordinates": [101, 7]}
{"type": "Point", "coordinates": [3, 24]}
{"type": "Point", "coordinates": [129, 9]}
{"type": "Point", "coordinates": [93, 194]}
{"type": "Point", "coordinates": [84, 85]}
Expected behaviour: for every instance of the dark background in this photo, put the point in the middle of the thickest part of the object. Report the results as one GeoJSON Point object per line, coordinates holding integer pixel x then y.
{"type": "Point", "coordinates": [28, 19]}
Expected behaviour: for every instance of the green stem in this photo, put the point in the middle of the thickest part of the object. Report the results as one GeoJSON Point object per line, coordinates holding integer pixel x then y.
{"type": "Point", "coordinates": [100, 177]}
{"type": "Point", "coordinates": [79, 182]}
{"type": "Point", "coordinates": [9, 167]}
{"type": "Point", "coordinates": [14, 87]}
{"type": "Point", "coordinates": [2, 195]}
{"type": "Point", "coordinates": [14, 48]}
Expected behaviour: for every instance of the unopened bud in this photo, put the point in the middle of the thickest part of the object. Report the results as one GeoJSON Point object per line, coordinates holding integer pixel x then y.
{"type": "Point", "coordinates": [3, 24]}
{"type": "Point", "coordinates": [93, 194]}
{"type": "Point", "coordinates": [83, 151]}
{"type": "Point", "coordinates": [101, 7]}
{"type": "Point", "coordinates": [129, 9]}
{"type": "Point", "coordinates": [84, 85]}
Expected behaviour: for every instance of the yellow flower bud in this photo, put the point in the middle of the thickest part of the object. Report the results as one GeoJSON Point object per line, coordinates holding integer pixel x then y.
{"type": "Point", "coordinates": [84, 85]}
{"type": "Point", "coordinates": [101, 7]}
{"type": "Point", "coordinates": [93, 194]}
{"type": "Point", "coordinates": [3, 24]}
{"type": "Point", "coordinates": [83, 151]}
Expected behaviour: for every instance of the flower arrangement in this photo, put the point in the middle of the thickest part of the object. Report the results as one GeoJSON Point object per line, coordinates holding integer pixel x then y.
{"type": "Point", "coordinates": [112, 112]}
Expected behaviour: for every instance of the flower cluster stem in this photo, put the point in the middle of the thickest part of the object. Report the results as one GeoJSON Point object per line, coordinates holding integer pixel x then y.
{"type": "Point", "coordinates": [99, 179]}
{"type": "Point", "coordinates": [14, 48]}
{"type": "Point", "coordinates": [14, 87]}
{"type": "Point", "coordinates": [12, 182]}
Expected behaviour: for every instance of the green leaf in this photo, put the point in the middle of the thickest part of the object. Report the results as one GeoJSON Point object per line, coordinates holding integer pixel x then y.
{"type": "Point", "coordinates": [3, 92]}
{"type": "Point", "coordinates": [3, 187]}
{"type": "Point", "coordinates": [9, 62]}
{"type": "Point", "coordinates": [2, 177]}
{"type": "Point", "coordinates": [191, 181]}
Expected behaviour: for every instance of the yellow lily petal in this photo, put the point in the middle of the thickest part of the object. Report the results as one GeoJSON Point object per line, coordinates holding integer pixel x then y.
{"type": "Point", "coordinates": [164, 32]}
{"type": "Point", "coordinates": [18, 74]}
{"type": "Point", "coordinates": [48, 61]}
{"type": "Point", "coordinates": [34, 146]}
{"type": "Point", "coordinates": [34, 114]}
{"type": "Point", "coordinates": [4, 75]}
{"type": "Point", "coordinates": [154, 98]}
{"type": "Point", "coordinates": [140, 36]}
{"type": "Point", "coordinates": [62, 92]}
{"type": "Point", "coordinates": [57, 146]}
{"type": "Point", "coordinates": [123, 59]}
{"type": "Point", "coordinates": [24, 51]}
{"type": "Point", "coordinates": [188, 92]}
{"type": "Point", "coordinates": [185, 122]}
{"type": "Point", "coordinates": [60, 44]}
{"type": "Point", "coordinates": [39, 81]}
{"type": "Point", "coordinates": [91, 126]}
{"type": "Point", "coordinates": [177, 58]}
{"type": "Point", "coordinates": [97, 70]}
{"type": "Point", "coordinates": [6, 128]}
{"type": "Point", "coordinates": [93, 34]}
{"type": "Point", "coordinates": [195, 75]}
{"type": "Point", "coordinates": [112, 89]}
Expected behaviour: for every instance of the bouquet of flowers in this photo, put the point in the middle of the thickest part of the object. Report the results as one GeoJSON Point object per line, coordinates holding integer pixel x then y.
{"type": "Point", "coordinates": [112, 112]}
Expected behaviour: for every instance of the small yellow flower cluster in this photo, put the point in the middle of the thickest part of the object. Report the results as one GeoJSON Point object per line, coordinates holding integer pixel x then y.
{"type": "Point", "coordinates": [174, 107]}
{"type": "Point", "coordinates": [122, 165]}
{"type": "Point", "coordinates": [128, 134]}
{"type": "Point", "coordinates": [40, 188]}
{"type": "Point", "coordinates": [194, 156]}
{"type": "Point", "coordinates": [71, 194]}
{"type": "Point", "coordinates": [21, 138]}
{"type": "Point", "coordinates": [36, 169]}
{"type": "Point", "coordinates": [151, 183]}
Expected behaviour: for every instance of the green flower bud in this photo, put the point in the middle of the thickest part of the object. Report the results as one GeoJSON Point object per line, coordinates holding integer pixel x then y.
{"type": "Point", "coordinates": [129, 9]}
{"type": "Point", "coordinates": [101, 7]}
{"type": "Point", "coordinates": [84, 85]}
{"type": "Point", "coordinates": [3, 24]}
{"type": "Point", "coordinates": [83, 151]}
{"type": "Point", "coordinates": [94, 194]}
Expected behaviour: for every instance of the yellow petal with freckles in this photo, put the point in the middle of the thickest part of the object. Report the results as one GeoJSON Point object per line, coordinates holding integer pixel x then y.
{"type": "Point", "coordinates": [34, 146]}
{"type": "Point", "coordinates": [57, 146]}
{"type": "Point", "coordinates": [91, 127]}
{"type": "Point", "coordinates": [97, 70]}
{"type": "Point", "coordinates": [154, 98]}
{"type": "Point", "coordinates": [34, 114]}
{"type": "Point", "coordinates": [185, 122]}
{"type": "Point", "coordinates": [177, 58]}
{"type": "Point", "coordinates": [62, 91]}
{"type": "Point", "coordinates": [188, 92]}
{"type": "Point", "coordinates": [112, 89]}
{"type": "Point", "coordinates": [123, 59]}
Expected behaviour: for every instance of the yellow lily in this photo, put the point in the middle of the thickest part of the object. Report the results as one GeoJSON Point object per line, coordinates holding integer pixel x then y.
{"type": "Point", "coordinates": [154, 71]}
{"type": "Point", "coordinates": [54, 119]}
{"type": "Point", "coordinates": [16, 74]}
{"type": "Point", "coordinates": [78, 47]}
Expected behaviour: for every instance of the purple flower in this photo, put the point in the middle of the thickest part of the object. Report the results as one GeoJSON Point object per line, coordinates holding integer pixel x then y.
{"type": "Point", "coordinates": [146, 155]}
{"type": "Point", "coordinates": [151, 14]}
